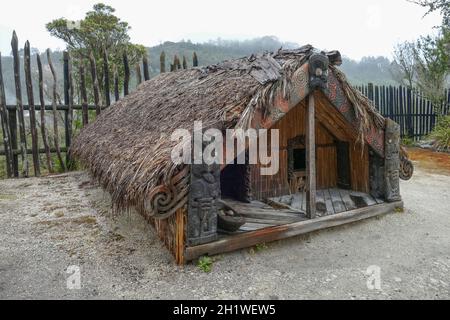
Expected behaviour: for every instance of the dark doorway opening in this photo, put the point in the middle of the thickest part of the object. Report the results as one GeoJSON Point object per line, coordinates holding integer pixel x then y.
{"type": "Point", "coordinates": [235, 182]}
{"type": "Point", "coordinates": [299, 159]}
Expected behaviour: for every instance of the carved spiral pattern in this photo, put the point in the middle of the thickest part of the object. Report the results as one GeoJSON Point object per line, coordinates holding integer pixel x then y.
{"type": "Point", "coordinates": [163, 201]}
{"type": "Point", "coordinates": [406, 166]}
{"type": "Point", "coordinates": [406, 169]}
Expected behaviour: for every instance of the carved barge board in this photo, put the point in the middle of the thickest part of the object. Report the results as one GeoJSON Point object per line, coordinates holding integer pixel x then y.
{"type": "Point", "coordinates": [249, 239]}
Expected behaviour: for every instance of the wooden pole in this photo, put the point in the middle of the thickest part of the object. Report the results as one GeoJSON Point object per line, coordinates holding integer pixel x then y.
{"type": "Point", "coordinates": [146, 69]}
{"type": "Point", "coordinates": [95, 84]}
{"type": "Point", "coordinates": [311, 158]}
{"type": "Point", "coordinates": [55, 113]}
{"type": "Point", "coordinates": [19, 105]}
{"type": "Point", "coordinates": [43, 128]}
{"type": "Point", "coordinates": [106, 75]}
{"type": "Point", "coordinates": [32, 111]}
{"type": "Point", "coordinates": [83, 91]}
{"type": "Point", "coordinates": [69, 161]}
{"type": "Point", "coordinates": [127, 74]}
{"type": "Point", "coordinates": [5, 126]}
{"type": "Point", "coordinates": [138, 74]}
{"type": "Point", "coordinates": [116, 85]}
{"type": "Point", "coordinates": [67, 136]}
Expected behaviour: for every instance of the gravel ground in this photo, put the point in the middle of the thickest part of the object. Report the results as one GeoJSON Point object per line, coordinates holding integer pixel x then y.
{"type": "Point", "coordinates": [52, 223]}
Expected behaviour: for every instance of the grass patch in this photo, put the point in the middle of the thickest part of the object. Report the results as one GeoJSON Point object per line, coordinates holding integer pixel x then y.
{"type": "Point", "coordinates": [205, 264]}
{"type": "Point", "coordinates": [7, 197]}
{"type": "Point", "coordinates": [407, 142]}
{"type": "Point", "coordinates": [399, 210]}
{"type": "Point", "coordinates": [441, 134]}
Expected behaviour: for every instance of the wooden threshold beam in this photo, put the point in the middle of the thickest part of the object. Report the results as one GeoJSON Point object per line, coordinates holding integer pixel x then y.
{"type": "Point", "coordinates": [252, 238]}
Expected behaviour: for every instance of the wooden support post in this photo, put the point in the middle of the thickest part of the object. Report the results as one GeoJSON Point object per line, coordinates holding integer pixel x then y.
{"type": "Point", "coordinates": [145, 66]}
{"type": "Point", "coordinates": [19, 105]}
{"type": "Point", "coordinates": [116, 85]}
{"type": "Point", "coordinates": [84, 102]}
{"type": "Point", "coordinates": [370, 91]}
{"type": "Point", "coordinates": [311, 158]}
{"type": "Point", "coordinates": [138, 74]}
{"type": "Point", "coordinates": [66, 100]}
{"type": "Point", "coordinates": [12, 116]}
{"type": "Point", "coordinates": [43, 128]}
{"type": "Point", "coordinates": [55, 112]}
{"type": "Point", "coordinates": [34, 135]}
{"type": "Point", "coordinates": [126, 81]}
{"type": "Point", "coordinates": [70, 163]}
{"type": "Point", "coordinates": [106, 76]}
{"type": "Point", "coordinates": [95, 84]}
{"type": "Point", "coordinates": [5, 126]}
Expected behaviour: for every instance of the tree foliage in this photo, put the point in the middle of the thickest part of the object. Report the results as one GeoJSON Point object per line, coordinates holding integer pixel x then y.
{"type": "Point", "coordinates": [100, 30]}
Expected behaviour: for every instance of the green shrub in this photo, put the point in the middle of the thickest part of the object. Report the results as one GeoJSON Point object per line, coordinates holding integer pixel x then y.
{"type": "Point", "coordinates": [205, 264]}
{"type": "Point", "coordinates": [441, 134]}
{"type": "Point", "coordinates": [407, 141]}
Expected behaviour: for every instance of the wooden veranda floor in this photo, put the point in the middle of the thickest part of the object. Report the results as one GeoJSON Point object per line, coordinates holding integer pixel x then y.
{"type": "Point", "coordinates": [330, 201]}
{"type": "Point", "coordinates": [291, 208]}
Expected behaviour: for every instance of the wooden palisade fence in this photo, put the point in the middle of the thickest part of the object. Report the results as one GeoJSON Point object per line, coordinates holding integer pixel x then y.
{"type": "Point", "coordinates": [414, 113]}
{"type": "Point", "coordinates": [14, 142]}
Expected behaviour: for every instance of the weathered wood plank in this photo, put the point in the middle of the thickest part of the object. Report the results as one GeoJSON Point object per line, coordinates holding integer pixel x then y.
{"type": "Point", "coordinates": [275, 221]}
{"type": "Point", "coordinates": [55, 113]}
{"type": "Point", "coordinates": [348, 202]}
{"type": "Point", "coordinates": [368, 199]}
{"type": "Point", "coordinates": [328, 202]}
{"type": "Point", "coordinates": [67, 126]}
{"type": "Point", "coordinates": [126, 82]}
{"type": "Point", "coordinates": [311, 158]}
{"type": "Point", "coordinates": [297, 200]}
{"type": "Point", "coordinates": [116, 85]}
{"type": "Point", "coordinates": [95, 84]}
{"type": "Point", "coordinates": [83, 93]}
{"type": "Point", "coordinates": [32, 112]}
{"type": "Point", "coordinates": [146, 68]}
{"type": "Point", "coordinates": [138, 74]}
{"type": "Point", "coordinates": [321, 206]}
{"type": "Point", "coordinates": [70, 106]}
{"type": "Point", "coordinates": [5, 126]}
{"type": "Point", "coordinates": [337, 201]}
{"type": "Point", "coordinates": [43, 120]}
{"type": "Point", "coordinates": [107, 87]}
{"type": "Point", "coordinates": [249, 239]}
{"type": "Point", "coordinates": [19, 105]}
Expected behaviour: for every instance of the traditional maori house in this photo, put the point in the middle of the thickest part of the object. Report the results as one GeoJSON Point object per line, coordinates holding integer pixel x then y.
{"type": "Point", "coordinates": [339, 159]}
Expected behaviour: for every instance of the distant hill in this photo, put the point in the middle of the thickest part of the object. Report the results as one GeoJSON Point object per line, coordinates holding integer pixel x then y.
{"type": "Point", "coordinates": [369, 69]}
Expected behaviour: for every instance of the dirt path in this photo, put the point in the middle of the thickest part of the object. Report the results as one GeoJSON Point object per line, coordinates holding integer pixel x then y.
{"type": "Point", "coordinates": [49, 224]}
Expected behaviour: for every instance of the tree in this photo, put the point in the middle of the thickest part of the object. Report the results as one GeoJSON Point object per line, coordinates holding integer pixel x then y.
{"type": "Point", "coordinates": [184, 62]}
{"type": "Point", "coordinates": [432, 53]}
{"type": "Point", "coordinates": [404, 67]}
{"type": "Point", "coordinates": [432, 68]}
{"type": "Point", "coordinates": [443, 6]}
{"type": "Point", "coordinates": [100, 30]}
{"type": "Point", "coordinates": [194, 59]}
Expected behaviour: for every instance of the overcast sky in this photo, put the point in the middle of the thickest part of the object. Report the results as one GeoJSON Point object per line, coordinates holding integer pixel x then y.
{"type": "Point", "coordinates": [355, 27]}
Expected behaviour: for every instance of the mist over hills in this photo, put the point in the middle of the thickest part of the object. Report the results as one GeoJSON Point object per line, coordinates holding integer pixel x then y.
{"type": "Point", "coordinates": [369, 69]}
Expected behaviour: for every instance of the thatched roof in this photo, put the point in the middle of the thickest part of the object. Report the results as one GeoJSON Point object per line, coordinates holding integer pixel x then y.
{"type": "Point", "coordinates": [128, 147]}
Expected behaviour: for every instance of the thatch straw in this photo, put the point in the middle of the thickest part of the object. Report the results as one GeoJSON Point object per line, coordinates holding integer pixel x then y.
{"type": "Point", "coordinates": [128, 147]}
